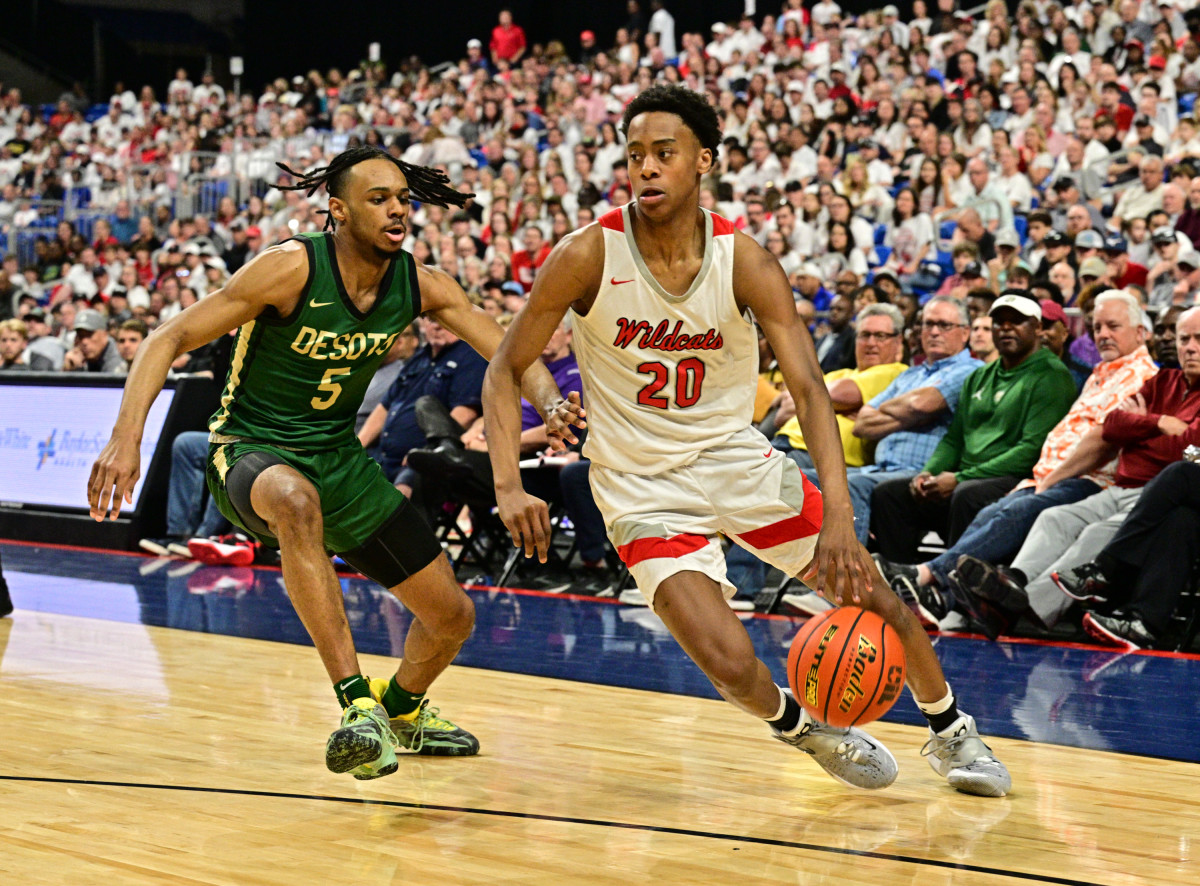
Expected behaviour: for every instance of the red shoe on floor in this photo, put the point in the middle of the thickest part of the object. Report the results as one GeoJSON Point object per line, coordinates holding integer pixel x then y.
{"type": "Point", "coordinates": [224, 550]}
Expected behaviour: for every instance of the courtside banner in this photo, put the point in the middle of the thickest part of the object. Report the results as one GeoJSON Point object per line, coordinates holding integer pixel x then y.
{"type": "Point", "coordinates": [50, 435]}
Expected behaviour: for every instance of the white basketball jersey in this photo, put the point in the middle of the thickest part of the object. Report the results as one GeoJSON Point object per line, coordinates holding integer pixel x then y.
{"type": "Point", "coordinates": [664, 376]}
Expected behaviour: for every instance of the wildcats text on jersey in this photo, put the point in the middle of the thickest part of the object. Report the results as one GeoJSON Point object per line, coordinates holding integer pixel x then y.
{"type": "Point", "coordinates": [657, 338]}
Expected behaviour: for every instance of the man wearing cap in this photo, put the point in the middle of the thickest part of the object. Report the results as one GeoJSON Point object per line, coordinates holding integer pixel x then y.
{"type": "Point", "coordinates": [94, 350]}
{"type": "Point", "coordinates": [808, 283]}
{"type": "Point", "coordinates": [1143, 196]}
{"type": "Point", "coordinates": [1069, 194]}
{"type": "Point", "coordinates": [1162, 276]}
{"type": "Point", "coordinates": [1090, 271]}
{"type": "Point", "coordinates": [1089, 243]}
{"type": "Point", "coordinates": [999, 530]}
{"type": "Point", "coordinates": [1187, 277]}
{"type": "Point", "coordinates": [1146, 433]}
{"type": "Point", "coordinates": [1005, 411]}
{"type": "Point", "coordinates": [1121, 270]}
{"type": "Point", "coordinates": [1056, 338]}
{"type": "Point", "coordinates": [1146, 136]}
{"type": "Point", "coordinates": [1008, 253]}
{"type": "Point", "coordinates": [587, 47]}
{"type": "Point", "coordinates": [721, 47]}
{"type": "Point", "coordinates": [45, 352]}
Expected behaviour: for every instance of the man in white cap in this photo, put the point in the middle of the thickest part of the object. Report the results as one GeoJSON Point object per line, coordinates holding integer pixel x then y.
{"type": "Point", "coordinates": [807, 281]}
{"type": "Point", "coordinates": [999, 530]}
{"type": "Point", "coordinates": [475, 56]}
{"type": "Point", "coordinates": [1187, 277]}
{"type": "Point", "coordinates": [891, 21]}
{"type": "Point", "coordinates": [721, 48]}
{"type": "Point", "coordinates": [1005, 410]}
{"type": "Point", "coordinates": [1146, 433]}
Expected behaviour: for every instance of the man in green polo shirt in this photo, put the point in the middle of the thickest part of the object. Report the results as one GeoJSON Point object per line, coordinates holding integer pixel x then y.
{"type": "Point", "coordinates": [1005, 411]}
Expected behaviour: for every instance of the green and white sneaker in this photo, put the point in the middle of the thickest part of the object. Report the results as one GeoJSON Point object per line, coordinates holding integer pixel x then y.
{"type": "Point", "coordinates": [364, 745]}
{"type": "Point", "coordinates": [427, 733]}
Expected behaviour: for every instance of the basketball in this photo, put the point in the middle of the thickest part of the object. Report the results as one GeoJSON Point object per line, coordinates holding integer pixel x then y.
{"type": "Point", "coordinates": [846, 666]}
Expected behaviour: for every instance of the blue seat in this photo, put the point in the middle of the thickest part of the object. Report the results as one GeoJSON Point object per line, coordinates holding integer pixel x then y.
{"type": "Point", "coordinates": [882, 254]}
{"type": "Point", "coordinates": [479, 157]}
{"type": "Point", "coordinates": [945, 261]}
{"type": "Point", "coordinates": [946, 229]}
{"type": "Point", "coordinates": [880, 233]}
{"type": "Point", "coordinates": [1021, 223]}
{"type": "Point", "coordinates": [1187, 103]}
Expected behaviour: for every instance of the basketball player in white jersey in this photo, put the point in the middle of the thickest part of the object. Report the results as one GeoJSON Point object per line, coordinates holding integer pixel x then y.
{"type": "Point", "coordinates": [663, 292]}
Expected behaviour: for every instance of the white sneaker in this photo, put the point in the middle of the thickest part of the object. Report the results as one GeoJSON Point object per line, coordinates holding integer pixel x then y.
{"type": "Point", "coordinates": [959, 755]}
{"type": "Point", "coordinates": [810, 602]}
{"type": "Point", "coordinates": [849, 755]}
{"type": "Point", "coordinates": [741, 604]}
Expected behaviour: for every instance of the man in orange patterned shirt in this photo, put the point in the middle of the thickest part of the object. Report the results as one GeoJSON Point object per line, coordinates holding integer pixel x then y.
{"type": "Point", "coordinates": [997, 531]}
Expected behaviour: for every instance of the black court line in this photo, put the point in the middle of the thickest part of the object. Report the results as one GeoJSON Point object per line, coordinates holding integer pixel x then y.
{"type": "Point", "coordinates": [591, 822]}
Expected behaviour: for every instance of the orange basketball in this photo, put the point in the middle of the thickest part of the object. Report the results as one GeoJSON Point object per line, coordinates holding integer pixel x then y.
{"type": "Point", "coordinates": [846, 666]}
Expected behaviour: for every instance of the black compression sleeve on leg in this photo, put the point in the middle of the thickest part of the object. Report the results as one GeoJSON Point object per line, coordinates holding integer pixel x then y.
{"type": "Point", "coordinates": [400, 548]}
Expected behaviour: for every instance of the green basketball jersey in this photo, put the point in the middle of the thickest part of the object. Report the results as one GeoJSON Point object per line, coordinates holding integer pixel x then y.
{"type": "Point", "coordinates": [299, 382]}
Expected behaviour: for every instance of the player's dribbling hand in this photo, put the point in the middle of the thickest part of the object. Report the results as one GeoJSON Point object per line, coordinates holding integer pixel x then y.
{"type": "Point", "coordinates": [114, 474]}
{"type": "Point", "coordinates": [566, 412]}
{"type": "Point", "coordinates": [528, 521]}
{"type": "Point", "coordinates": [841, 570]}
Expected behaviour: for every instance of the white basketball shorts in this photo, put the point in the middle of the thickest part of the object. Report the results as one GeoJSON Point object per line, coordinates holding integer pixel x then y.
{"type": "Point", "coordinates": [742, 488]}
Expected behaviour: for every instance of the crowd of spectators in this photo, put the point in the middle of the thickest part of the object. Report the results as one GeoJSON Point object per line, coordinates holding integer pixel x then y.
{"type": "Point", "coordinates": [956, 169]}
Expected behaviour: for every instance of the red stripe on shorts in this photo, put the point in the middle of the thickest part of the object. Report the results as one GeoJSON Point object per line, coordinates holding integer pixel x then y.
{"type": "Point", "coordinates": [803, 525]}
{"type": "Point", "coordinates": [650, 548]}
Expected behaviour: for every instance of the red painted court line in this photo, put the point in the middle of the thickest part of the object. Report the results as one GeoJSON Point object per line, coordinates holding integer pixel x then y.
{"type": "Point", "coordinates": [531, 592]}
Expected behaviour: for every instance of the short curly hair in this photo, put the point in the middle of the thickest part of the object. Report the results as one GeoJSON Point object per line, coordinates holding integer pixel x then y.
{"type": "Point", "coordinates": [691, 107]}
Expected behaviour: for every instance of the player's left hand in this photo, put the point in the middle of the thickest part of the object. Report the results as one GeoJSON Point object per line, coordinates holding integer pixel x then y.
{"type": "Point", "coordinates": [841, 570]}
{"type": "Point", "coordinates": [567, 412]}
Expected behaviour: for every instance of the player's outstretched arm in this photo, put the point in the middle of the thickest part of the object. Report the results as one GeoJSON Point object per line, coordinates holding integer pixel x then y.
{"type": "Point", "coordinates": [570, 275]}
{"type": "Point", "coordinates": [841, 565]}
{"type": "Point", "coordinates": [276, 277]}
{"type": "Point", "coordinates": [444, 299]}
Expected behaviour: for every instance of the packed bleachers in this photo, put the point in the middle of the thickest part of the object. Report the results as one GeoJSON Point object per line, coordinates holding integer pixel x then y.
{"type": "Point", "coordinates": [1052, 152]}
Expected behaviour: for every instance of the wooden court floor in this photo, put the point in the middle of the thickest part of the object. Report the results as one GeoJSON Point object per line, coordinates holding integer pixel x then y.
{"type": "Point", "coordinates": [139, 755]}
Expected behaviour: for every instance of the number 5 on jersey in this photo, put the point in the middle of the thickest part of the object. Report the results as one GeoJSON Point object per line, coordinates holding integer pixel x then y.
{"type": "Point", "coordinates": [689, 376]}
{"type": "Point", "coordinates": [329, 386]}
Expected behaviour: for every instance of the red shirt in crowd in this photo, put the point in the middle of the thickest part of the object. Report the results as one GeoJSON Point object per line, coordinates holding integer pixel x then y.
{"type": "Point", "coordinates": [1135, 275]}
{"type": "Point", "coordinates": [1145, 450]}
{"type": "Point", "coordinates": [507, 42]}
{"type": "Point", "coordinates": [524, 265]}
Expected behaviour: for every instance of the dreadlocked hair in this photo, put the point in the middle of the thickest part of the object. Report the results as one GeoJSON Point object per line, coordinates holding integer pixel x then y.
{"type": "Point", "coordinates": [424, 184]}
{"type": "Point", "coordinates": [690, 106]}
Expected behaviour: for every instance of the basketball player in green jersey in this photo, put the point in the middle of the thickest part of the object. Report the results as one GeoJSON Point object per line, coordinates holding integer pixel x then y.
{"type": "Point", "coordinates": [315, 317]}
